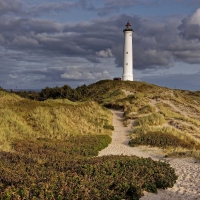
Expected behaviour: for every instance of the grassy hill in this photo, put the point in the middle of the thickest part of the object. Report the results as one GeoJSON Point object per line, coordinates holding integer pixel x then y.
{"type": "Point", "coordinates": [54, 119]}
{"type": "Point", "coordinates": [159, 116]}
{"type": "Point", "coordinates": [153, 112]}
{"type": "Point", "coordinates": [47, 147]}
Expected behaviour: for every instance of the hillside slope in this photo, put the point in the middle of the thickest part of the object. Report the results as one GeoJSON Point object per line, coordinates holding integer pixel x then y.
{"type": "Point", "coordinates": [154, 112]}
{"type": "Point", "coordinates": [159, 116]}
{"type": "Point", "coordinates": [55, 119]}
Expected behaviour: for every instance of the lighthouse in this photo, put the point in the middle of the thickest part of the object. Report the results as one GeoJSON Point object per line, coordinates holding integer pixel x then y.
{"type": "Point", "coordinates": [128, 54]}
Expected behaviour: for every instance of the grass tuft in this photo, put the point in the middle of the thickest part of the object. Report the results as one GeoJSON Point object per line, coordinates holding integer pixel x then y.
{"type": "Point", "coordinates": [150, 120]}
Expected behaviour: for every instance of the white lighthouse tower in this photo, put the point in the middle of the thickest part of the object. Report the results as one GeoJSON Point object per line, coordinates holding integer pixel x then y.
{"type": "Point", "coordinates": [128, 54]}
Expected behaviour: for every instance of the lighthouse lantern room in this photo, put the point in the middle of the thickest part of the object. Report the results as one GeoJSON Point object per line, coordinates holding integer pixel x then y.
{"type": "Point", "coordinates": [128, 54]}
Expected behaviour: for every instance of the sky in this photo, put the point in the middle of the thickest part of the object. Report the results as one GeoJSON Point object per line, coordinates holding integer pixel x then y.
{"type": "Point", "coordinates": [75, 42]}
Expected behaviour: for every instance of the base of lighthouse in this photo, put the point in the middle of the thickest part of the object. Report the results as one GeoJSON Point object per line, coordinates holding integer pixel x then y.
{"type": "Point", "coordinates": [127, 77]}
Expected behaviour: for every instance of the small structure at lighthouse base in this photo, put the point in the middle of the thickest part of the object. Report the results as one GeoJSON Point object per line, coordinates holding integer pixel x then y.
{"type": "Point", "coordinates": [128, 54]}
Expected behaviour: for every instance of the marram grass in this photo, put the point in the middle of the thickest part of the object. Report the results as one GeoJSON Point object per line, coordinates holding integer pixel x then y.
{"type": "Point", "coordinates": [55, 119]}
{"type": "Point", "coordinates": [150, 120]}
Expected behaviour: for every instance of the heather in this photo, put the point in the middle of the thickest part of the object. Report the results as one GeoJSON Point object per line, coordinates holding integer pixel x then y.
{"type": "Point", "coordinates": [53, 169]}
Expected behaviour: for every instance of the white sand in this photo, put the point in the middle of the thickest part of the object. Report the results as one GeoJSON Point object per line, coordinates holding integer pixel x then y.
{"type": "Point", "coordinates": [187, 186]}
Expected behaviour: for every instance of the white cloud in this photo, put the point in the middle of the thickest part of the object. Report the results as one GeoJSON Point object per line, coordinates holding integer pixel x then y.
{"type": "Point", "coordinates": [86, 75]}
{"type": "Point", "coordinates": [105, 53]}
{"type": "Point", "coordinates": [13, 76]}
{"type": "Point", "coordinates": [195, 18]}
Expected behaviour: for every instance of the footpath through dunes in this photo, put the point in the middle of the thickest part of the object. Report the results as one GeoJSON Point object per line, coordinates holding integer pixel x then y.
{"type": "Point", "coordinates": [187, 186]}
{"type": "Point", "coordinates": [120, 139]}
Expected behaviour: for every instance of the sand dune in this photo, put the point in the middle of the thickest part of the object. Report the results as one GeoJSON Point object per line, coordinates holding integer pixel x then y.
{"type": "Point", "coordinates": [187, 186]}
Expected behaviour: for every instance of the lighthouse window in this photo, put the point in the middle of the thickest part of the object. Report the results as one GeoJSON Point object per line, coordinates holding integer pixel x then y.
{"type": "Point", "coordinates": [126, 63]}
{"type": "Point", "coordinates": [127, 52]}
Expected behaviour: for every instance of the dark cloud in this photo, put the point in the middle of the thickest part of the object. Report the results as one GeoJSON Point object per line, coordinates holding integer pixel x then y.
{"type": "Point", "coordinates": [112, 6]}
{"type": "Point", "coordinates": [28, 43]}
{"type": "Point", "coordinates": [120, 3]}
{"type": "Point", "coordinates": [10, 6]}
{"type": "Point", "coordinates": [87, 5]}
{"type": "Point", "coordinates": [156, 44]}
{"type": "Point", "coordinates": [52, 7]}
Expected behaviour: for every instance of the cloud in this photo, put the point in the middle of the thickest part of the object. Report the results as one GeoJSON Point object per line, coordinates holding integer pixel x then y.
{"type": "Point", "coordinates": [111, 6]}
{"type": "Point", "coordinates": [121, 3]}
{"type": "Point", "coordinates": [155, 44]}
{"type": "Point", "coordinates": [52, 7]}
{"type": "Point", "coordinates": [85, 75]}
{"type": "Point", "coordinates": [176, 81]}
{"type": "Point", "coordinates": [13, 76]}
{"type": "Point", "coordinates": [105, 53]}
{"type": "Point", "coordinates": [195, 18]}
{"type": "Point", "coordinates": [29, 44]}
{"type": "Point", "coordinates": [10, 6]}
{"type": "Point", "coordinates": [190, 27]}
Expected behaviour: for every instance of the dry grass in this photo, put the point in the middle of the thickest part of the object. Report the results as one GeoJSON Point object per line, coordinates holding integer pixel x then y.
{"type": "Point", "coordinates": [55, 119]}
{"type": "Point", "coordinates": [179, 107]}
{"type": "Point", "coordinates": [146, 109]}
{"type": "Point", "coordinates": [169, 113]}
{"type": "Point", "coordinates": [174, 112]}
{"type": "Point", "coordinates": [183, 108]}
{"type": "Point", "coordinates": [150, 120]}
{"type": "Point", "coordinates": [182, 152]}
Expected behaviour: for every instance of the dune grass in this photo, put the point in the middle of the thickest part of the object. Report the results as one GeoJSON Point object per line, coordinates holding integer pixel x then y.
{"type": "Point", "coordinates": [182, 119]}
{"type": "Point", "coordinates": [169, 114]}
{"type": "Point", "coordinates": [175, 142]}
{"type": "Point", "coordinates": [150, 120]}
{"type": "Point", "coordinates": [146, 109]}
{"type": "Point", "coordinates": [55, 119]}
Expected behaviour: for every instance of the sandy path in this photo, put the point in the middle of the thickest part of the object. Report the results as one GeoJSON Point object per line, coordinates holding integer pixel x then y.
{"type": "Point", "coordinates": [120, 139]}
{"type": "Point", "coordinates": [187, 186]}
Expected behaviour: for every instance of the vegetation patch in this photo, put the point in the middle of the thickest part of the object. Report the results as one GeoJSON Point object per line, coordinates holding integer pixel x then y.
{"type": "Point", "coordinates": [146, 109]}
{"type": "Point", "coordinates": [182, 152]}
{"type": "Point", "coordinates": [69, 127]}
{"type": "Point", "coordinates": [162, 140]}
{"type": "Point", "coordinates": [168, 112]}
{"type": "Point", "coordinates": [150, 120]}
{"type": "Point", "coordinates": [42, 148]}
{"type": "Point", "coordinates": [53, 119]}
{"type": "Point", "coordinates": [49, 169]}
{"type": "Point", "coordinates": [110, 127]}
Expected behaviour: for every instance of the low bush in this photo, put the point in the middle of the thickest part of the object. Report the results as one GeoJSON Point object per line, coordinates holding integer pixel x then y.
{"type": "Point", "coordinates": [162, 140]}
{"type": "Point", "coordinates": [43, 148]}
{"type": "Point", "coordinates": [49, 169]}
{"type": "Point", "coordinates": [112, 177]}
{"type": "Point", "coordinates": [110, 127]}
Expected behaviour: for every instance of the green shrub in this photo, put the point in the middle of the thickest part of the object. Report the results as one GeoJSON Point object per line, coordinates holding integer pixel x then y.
{"type": "Point", "coordinates": [162, 140]}
{"type": "Point", "coordinates": [86, 145]}
{"type": "Point", "coordinates": [110, 127]}
{"type": "Point", "coordinates": [55, 169]}
{"type": "Point", "coordinates": [111, 177]}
